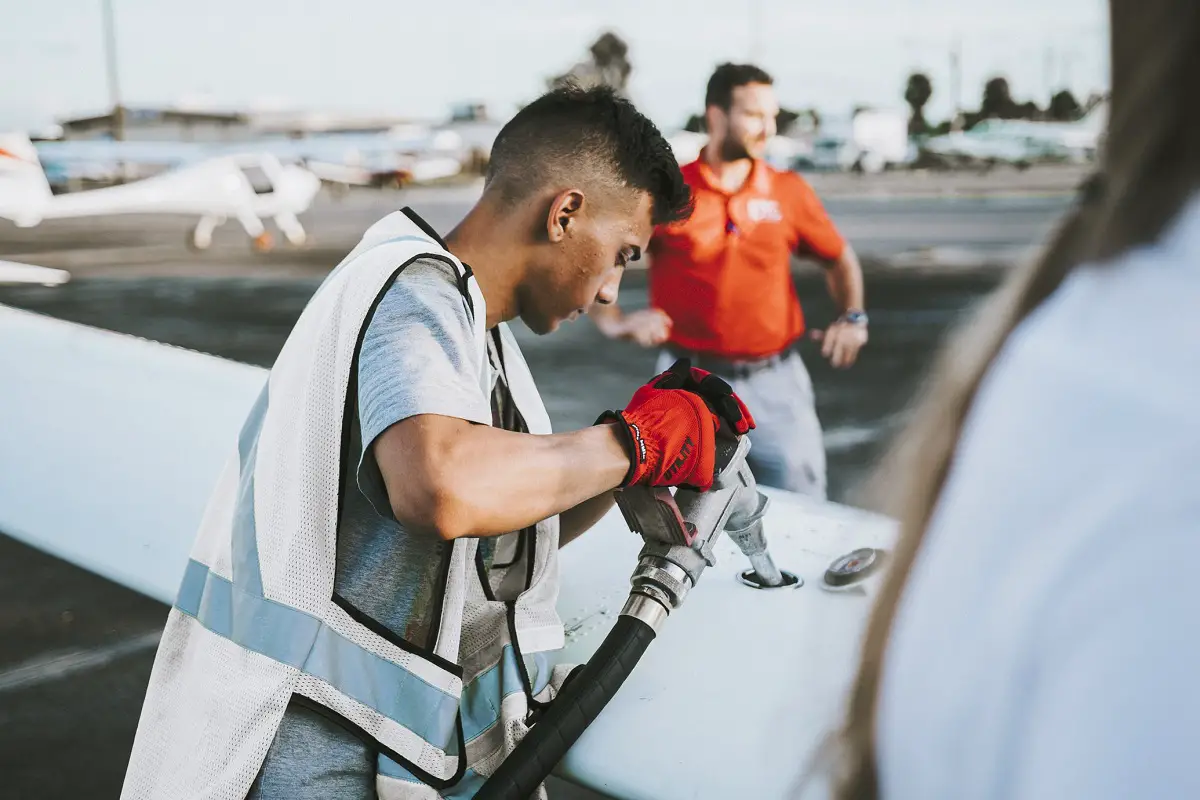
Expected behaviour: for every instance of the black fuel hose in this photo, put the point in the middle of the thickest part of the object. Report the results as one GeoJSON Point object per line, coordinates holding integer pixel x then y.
{"type": "Point", "coordinates": [573, 710]}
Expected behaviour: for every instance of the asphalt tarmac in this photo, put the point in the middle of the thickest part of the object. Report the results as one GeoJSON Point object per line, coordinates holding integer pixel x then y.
{"type": "Point", "coordinates": [76, 650]}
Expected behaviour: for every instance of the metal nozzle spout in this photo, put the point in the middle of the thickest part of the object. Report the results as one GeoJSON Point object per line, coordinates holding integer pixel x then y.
{"type": "Point", "coordinates": [764, 567]}
{"type": "Point", "coordinates": [746, 531]}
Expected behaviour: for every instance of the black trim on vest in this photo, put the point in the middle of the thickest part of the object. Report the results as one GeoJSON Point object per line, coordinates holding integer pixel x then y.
{"type": "Point", "coordinates": [463, 287]}
{"type": "Point", "coordinates": [349, 414]}
{"type": "Point", "coordinates": [435, 623]}
{"type": "Point", "coordinates": [468, 273]}
{"type": "Point", "coordinates": [382, 631]}
{"type": "Point", "coordinates": [516, 555]}
{"type": "Point", "coordinates": [526, 546]}
{"type": "Point", "coordinates": [531, 560]}
{"type": "Point", "coordinates": [496, 340]}
{"type": "Point", "coordinates": [425, 227]}
{"type": "Point", "coordinates": [481, 571]}
{"type": "Point", "coordinates": [522, 427]}
{"type": "Point", "coordinates": [526, 684]}
{"type": "Point", "coordinates": [379, 747]}
{"type": "Point", "coordinates": [460, 281]}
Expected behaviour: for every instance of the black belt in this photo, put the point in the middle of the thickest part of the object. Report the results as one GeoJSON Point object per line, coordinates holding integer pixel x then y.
{"type": "Point", "coordinates": [732, 368]}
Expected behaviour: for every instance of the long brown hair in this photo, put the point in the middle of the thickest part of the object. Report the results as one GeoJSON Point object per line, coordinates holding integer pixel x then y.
{"type": "Point", "coordinates": [1149, 168]}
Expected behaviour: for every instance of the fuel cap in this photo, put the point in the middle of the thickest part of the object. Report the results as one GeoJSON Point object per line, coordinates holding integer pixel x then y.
{"type": "Point", "coordinates": [853, 567]}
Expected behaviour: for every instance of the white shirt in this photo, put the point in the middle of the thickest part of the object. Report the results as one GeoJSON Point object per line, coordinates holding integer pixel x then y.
{"type": "Point", "coordinates": [1048, 642]}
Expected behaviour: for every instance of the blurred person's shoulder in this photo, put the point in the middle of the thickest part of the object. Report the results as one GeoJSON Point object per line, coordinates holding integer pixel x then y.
{"type": "Point", "coordinates": [692, 172]}
{"type": "Point", "coordinates": [790, 184]}
{"type": "Point", "coordinates": [1127, 332]}
{"type": "Point", "coordinates": [1094, 392]}
{"type": "Point", "coordinates": [1052, 563]}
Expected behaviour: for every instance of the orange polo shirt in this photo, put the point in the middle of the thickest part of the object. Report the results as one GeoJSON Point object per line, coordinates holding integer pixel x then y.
{"type": "Point", "coordinates": [724, 275]}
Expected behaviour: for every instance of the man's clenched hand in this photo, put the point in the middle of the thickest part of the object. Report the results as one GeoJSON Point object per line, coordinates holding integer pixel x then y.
{"type": "Point", "coordinates": [841, 341]}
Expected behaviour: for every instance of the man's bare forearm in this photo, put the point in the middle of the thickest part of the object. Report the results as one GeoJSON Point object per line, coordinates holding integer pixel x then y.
{"type": "Point", "coordinates": [456, 479]}
{"type": "Point", "coordinates": [577, 521]}
{"type": "Point", "coordinates": [845, 280]}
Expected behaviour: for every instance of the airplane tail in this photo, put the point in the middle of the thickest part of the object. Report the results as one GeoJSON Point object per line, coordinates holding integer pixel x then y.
{"type": "Point", "coordinates": [1097, 118]}
{"type": "Point", "coordinates": [24, 190]}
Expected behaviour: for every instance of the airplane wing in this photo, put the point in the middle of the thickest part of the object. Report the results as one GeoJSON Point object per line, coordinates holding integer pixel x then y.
{"type": "Point", "coordinates": [13, 272]}
{"type": "Point", "coordinates": [110, 447]}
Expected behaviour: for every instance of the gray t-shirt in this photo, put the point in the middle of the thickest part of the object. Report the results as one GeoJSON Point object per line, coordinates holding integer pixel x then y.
{"type": "Point", "coordinates": [417, 357]}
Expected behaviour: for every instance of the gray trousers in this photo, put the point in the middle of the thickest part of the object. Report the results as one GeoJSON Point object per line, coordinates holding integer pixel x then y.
{"type": "Point", "coordinates": [787, 450]}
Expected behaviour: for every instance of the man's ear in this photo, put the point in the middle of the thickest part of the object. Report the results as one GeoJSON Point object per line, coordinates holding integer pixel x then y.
{"type": "Point", "coordinates": [565, 208]}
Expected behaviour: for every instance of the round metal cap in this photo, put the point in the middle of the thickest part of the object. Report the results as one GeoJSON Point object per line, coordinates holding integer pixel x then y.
{"type": "Point", "coordinates": [853, 567]}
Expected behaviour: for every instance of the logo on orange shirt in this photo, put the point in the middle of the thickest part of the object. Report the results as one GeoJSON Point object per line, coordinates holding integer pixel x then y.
{"type": "Point", "coordinates": [764, 211]}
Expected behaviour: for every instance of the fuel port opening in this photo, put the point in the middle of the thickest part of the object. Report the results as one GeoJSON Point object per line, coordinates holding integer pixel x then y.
{"type": "Point", "coordinates": [752, 579]}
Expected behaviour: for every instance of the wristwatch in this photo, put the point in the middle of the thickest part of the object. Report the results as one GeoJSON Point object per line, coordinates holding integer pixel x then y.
{"type": "Point", "coordinates": [854, 316]}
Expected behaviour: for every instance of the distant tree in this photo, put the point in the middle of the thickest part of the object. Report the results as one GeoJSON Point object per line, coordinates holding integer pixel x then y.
{"type": "Point", "coordinates": [1029, 110]}
{"type": "Point", "coordinates": [806, 122]}
{"type": "Point", "coordinates": [998, 104]}
{"type": "Point", "coordinates": [608, 65]}
{"type": "Point", "coordinates": [1094, 99]}
{"type": "Point", "coordinates": [997, 100]}
{"type": "Point", "coordinates": [610, 54]}
{"type": "Point", "coordinates": [1064, 107]}
{"type": "Point", "coordinates": [785, 119]}
{"type": "Point", "coordinates": [972, 118]}
{"type": "Point", "coordinates": [917, 94]}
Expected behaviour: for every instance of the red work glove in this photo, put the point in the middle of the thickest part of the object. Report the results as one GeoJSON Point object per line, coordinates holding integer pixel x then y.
{"type": "Point", "coordinates": [671, 426]}
{"type": "Point", "coordinates": [671, 438]}
{"type": "Point", "coordinates": [715, 391]}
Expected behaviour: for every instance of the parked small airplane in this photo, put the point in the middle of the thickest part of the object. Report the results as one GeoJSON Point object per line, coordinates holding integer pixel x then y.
{"type": "Point", "coordinates": [410, 153]}
{"type": "Point", "coordinates": [248, 187]}
{"type": "Point", "coordinates": [1020, 142]}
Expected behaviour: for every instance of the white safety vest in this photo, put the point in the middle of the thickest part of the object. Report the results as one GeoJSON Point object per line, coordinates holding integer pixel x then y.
{"type": "Point", "coordinates": [257, 621]}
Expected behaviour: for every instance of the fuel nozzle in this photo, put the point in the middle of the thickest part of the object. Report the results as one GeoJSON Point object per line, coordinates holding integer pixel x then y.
{"type": "Point", "coordinates": [748, 535]}
{"type": "Point", "coordinates": [745, 528]}
{"type": "Point", "coordinates": [680, 529]}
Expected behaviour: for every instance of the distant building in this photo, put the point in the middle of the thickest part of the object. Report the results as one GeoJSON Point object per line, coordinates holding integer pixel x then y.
{"type": "Point", "coordinates": [298, 124]}
{"type": "Point", "coordinates": [469, 112]}
{"type": "Point", "coordinates": [162, 124]}
{"type": "Point", "coordinates": [146, 124]}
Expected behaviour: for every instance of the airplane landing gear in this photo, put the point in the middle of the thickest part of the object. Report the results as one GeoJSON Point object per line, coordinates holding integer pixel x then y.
{"type": "Point", "coordinates": [292, 229]}
{"type": "Point", "coordinates": [263, 243]}
{"type": "Point", "coordinates": [200, 237]}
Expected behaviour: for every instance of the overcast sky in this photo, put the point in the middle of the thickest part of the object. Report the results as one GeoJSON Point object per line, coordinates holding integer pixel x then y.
{"type": "Point", "coordinates": [388, 57]}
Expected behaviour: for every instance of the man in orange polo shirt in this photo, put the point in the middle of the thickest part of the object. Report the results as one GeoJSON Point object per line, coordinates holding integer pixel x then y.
{"type": "Point", "coordinates": [721, 288]}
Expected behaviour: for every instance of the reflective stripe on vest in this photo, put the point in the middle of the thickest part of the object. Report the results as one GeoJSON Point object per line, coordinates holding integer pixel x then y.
{"type": "Point", "coordinates": [420, 698]}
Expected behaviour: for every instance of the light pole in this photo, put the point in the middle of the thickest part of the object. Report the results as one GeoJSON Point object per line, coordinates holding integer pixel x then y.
{"type": "Point", "coordinates": [756, 27]}
{"type": "Point", "coordinates": [956, 81]}
{"type": "Point", "coordinates": [114, 85]}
